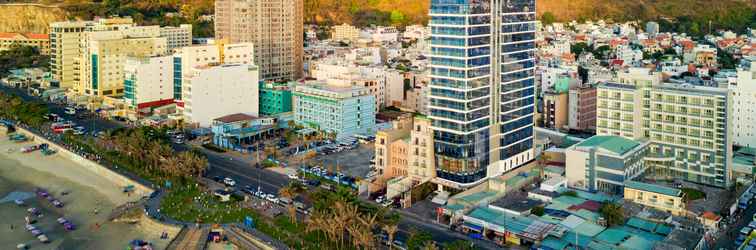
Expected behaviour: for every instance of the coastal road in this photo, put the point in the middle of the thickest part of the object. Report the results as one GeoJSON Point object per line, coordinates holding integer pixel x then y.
{"type": "Point", "coordinates": [91, 122]}
{"type": "Point", "coordinates": [244, 174]}
{"type": "Point", "coordinates": [269, 182]}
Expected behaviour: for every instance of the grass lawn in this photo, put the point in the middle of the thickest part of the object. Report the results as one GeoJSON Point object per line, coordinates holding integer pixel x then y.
{"type": "Point", "coordinates": [693, 194]}
{"type": "Point", "coordinates": [190, 204]}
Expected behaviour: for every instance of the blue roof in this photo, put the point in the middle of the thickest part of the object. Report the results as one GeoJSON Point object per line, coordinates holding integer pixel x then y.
{"type": "Point", "coordinates": [554, 243]}
{"type": "Point", "coordinates": [653, 188]}
{"type": "Point", "coordinates": [641, 224]}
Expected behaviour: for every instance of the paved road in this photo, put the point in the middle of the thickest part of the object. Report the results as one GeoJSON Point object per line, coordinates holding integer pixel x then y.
{"type": "Point", "coordinates": [727, 240]}
{"type": "Point", "coordinates": [244, 174]}
{"type": "Point", "coordinates": [268, 181]}
{"type": "Point", "coordinates": [91, 121]}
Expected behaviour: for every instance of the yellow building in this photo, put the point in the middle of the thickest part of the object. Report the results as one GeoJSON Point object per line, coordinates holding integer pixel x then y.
{"type": "Point", "coordinates": [65, 45]}
{"type": "Point", "coordinates": [555, 106]}
{"type": "Point", "coordinates": [663, 198]}
{"type": "Point", "coordinates": [104, 55]}
{"type": "Point", "coordinates": [39, 41]}
{"type": "Point", "coordinates": [345, 32]}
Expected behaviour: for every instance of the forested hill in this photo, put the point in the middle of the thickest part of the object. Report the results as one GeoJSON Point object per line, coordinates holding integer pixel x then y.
{"type": "Point", "coordinates": [734, 14]}
{"type": "Point", "coordinates": [690, 14]}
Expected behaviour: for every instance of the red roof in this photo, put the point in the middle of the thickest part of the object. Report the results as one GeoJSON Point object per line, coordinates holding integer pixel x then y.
{"type": "Point", "coordinates": [235, 118]}
{"type": "Point", "coordinates": [710, 216]}
{"type": "Point", "coordinates": [587, 205]}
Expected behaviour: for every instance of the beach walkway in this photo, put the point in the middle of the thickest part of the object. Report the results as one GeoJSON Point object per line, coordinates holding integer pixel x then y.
{"type": "Point", "coordinates": [190, 239]}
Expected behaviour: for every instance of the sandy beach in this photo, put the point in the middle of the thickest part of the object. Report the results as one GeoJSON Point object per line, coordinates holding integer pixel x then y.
{"type": "Point", "coordinates": [21, 173]}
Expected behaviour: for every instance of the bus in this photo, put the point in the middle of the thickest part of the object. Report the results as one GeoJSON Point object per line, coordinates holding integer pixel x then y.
{"type": "Point", "coordinates": [61, 127]}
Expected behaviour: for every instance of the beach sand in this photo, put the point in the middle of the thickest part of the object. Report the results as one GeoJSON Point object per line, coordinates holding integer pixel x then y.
{"type": "Point", "coordinates": [24, 172]}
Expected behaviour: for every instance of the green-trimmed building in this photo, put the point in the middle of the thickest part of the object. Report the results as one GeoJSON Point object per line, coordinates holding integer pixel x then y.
{"type": "Point", "coordinates": [604, 163]}
{"type": "Point", "coordinates": [275, 98]}
{"type": "Point", "coordinates": [345, 111]}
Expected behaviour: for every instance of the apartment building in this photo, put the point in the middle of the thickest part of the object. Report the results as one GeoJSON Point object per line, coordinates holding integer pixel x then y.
{"type": "Point", "coordinates": [148, 81]}
{"type": "Point", "coordinates": [555, 110]}
{"type": "Point", "coordinates": [177, 37]}
{"type": "Point", "coordinates": [689, 127]}
{"type": "Point", "coordinates": [482, 103]}
{"type": "Point", "coordinates": [38, 41]}
{"type": "Point", "coordinates": [743, 91]}
{"type": "Point", "coordinates": [275, 27]}
{"type": "Point", "coordinates": [345, 32]}
{"type": "Point", "coordinates": [421, 165]}
{"type": "Point", "coordinates": [582, 108]}
{"type": "Point", "coordinates": [211, 92]}
{"type": "Point", "coordinates": [345, 111]}
{"type": "Point", "coordinates": [212, 54]}
{"type": "Point", "coordinates": [404, 155]}
{"type": "Point", "coordinates": [604, 163]}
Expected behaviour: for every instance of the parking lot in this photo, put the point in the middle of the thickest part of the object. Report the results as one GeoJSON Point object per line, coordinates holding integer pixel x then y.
{"type": "Point", "coordinates": [353, 162]}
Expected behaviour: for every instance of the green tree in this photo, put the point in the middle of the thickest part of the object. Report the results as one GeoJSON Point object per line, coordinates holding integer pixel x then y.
{"type": "Point", "coordinates": [418, 239]}
{"type": "Point", "coordinates": [538, 211]}
{"type": "Point", "coordinates": [397, 17]}
{"type": "Point", "coordinates": [460, 245]}
{"type": "Point", "coordinates": [569, 193]}
{"type": "Point", "coordinates": [548, 18]}
{"type": "Point", "coordinates": [614, 214]}
{"type": "Point", "coordinates": [579, 48]}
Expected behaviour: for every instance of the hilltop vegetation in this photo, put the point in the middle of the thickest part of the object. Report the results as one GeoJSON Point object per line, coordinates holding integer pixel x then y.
{"type": "Point", "coordinates": [692, 16]}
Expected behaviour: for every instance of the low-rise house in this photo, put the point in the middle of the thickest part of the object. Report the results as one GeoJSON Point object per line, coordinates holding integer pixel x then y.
{"type": "Point", "coordinates": [662, 198]}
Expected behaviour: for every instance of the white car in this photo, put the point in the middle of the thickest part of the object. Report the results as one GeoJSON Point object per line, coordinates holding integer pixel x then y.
{"type": "Point", "coordinates": [293, 176]}
{"type": "Point", "coordinates": [271, 198]}
{"type": "Point", "coordinates": [229, 182]}
{"type": "Point", "coordinates": [379, 199]}
{"type": "Point", "coordinates": [387, 203]}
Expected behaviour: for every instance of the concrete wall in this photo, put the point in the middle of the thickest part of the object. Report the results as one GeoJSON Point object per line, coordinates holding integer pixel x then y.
{"type": "Point", "coordinates": [118, 179]}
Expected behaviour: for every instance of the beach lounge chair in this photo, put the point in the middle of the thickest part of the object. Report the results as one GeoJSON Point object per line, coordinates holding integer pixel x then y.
{"type": "Point", "coordinates": [43, 238]}
{"type": "Point", "coordinates": [62, 220]}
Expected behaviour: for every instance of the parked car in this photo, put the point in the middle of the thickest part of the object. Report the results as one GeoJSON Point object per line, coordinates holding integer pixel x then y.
{"type": "Point", "coordinates": [229, 182]}
{"type": "Point", "coordinates": [293, 176]}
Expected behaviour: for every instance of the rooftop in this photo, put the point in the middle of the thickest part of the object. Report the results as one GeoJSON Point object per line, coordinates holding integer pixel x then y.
{"type": "Point", "coordinates": [614, 144]}
{"type": "Point", "coordinates": [235, 118]}
{"type": "Point", "coordinates": [653, 188]}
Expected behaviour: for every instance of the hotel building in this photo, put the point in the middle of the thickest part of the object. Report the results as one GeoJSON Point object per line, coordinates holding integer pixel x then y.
{"type": "Point", "coordinates": [689, 127]}
{"type": "Point", "coordinates": [482, 88]}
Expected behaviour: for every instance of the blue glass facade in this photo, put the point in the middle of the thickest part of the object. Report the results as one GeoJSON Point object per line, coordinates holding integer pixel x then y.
{"type": "Point", "coordinates": [482, 84]}
{"type": "Point", "coordinates": [177, 78]}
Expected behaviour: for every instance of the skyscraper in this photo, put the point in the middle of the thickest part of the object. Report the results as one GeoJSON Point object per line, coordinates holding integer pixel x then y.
{"type": "Point", "coordinates": [482, 87]}
{"type": "Point", "coordinates": [275, 27]}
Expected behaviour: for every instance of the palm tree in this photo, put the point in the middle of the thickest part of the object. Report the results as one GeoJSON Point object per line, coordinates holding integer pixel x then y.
{"type": "Point", "coordinates": [431, 245]}
{"type": "Point", "coordinates": [543, 159]}
{"type": "Point", "coordinates": [288, 193]}
{"type": "Point", "coordinates": [390, 230]}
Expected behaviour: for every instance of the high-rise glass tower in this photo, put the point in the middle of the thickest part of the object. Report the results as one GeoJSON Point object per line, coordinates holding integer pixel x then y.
{"type": "Point", "coordinates": [482, 87]}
